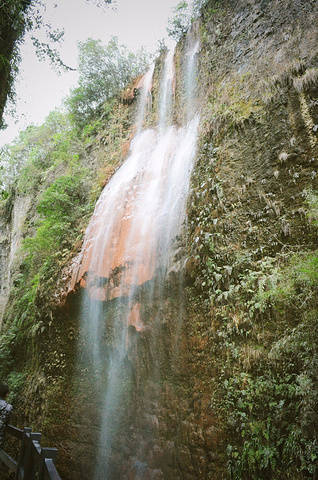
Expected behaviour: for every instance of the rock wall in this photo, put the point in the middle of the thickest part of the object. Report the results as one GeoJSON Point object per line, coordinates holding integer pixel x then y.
{"type": "Point", "coordinates": [223, 383]}
{"type": "Point", "coordinates": [11, 231]}
{"type": "Point", "coordinates": [251, 234]}
{"type": "Point", "coordinates": [247, 218]}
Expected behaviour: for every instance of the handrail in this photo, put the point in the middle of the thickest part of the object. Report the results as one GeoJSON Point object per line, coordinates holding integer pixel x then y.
{"type": "Point", "coordinates": [35, 462]}
{"type": "Point", "coordinates": [14, 432]}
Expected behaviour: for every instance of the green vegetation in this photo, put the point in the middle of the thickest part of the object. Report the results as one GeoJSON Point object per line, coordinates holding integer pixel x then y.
{"type": "Point", "coordinates": [16, 18]}
{"type": "Point", "coordinates": [253, 251]}
{"type": "Point", "coordinates": [104, 72]}
{"type": "Point", "coordinates": [270, 387]}
{"type": "Point", "coordinates": [46, 167]}
{"type": "Point", "coordinates": [249, 402]}
{"type": "Point", "coordinates": [261, 319]}
{"type": "Point", "coordinates": [184, 13]}
{"type": "Point", "coordinates": [55, 172]}
{"type": "Point", "coordinates": [256, 289]}
{"type": "Point", "coordinates": [12, 28]}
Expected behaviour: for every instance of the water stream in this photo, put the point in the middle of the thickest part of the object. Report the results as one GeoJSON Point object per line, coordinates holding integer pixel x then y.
{"type": "Point", "coordinates": [130, 240]}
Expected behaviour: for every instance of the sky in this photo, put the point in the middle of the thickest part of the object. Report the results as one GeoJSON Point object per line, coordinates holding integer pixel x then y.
{"type": "Point", "coordinates": [40, 89]}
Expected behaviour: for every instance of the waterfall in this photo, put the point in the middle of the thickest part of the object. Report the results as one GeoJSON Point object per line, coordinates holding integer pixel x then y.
{"type": "Point", "coordinates": [190, 81]}
{"type": "Point", "coordinates": [144, 100]}
{"type": "Point", "coordinates": [129, 243]}
{"type": "Point", "coordinates": [166, 91]}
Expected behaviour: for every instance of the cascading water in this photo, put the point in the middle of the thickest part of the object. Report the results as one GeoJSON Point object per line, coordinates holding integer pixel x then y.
{"type": "Point", "coordinates": [166, 91]}
{"type": "Point", "coordinates": [129, 244]}
{"type": "Point", "coordinates": [144, 100]}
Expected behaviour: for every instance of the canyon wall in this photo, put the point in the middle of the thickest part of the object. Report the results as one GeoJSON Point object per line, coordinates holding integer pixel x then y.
{"type": "Point", "coordinates": [221, 381]}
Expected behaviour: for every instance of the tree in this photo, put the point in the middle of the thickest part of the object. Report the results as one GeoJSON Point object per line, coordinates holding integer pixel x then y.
{"type": "Point", "coordinates": [12, 27]}
{"type": "Point", "coordinates": [184, 13]}
{"type": "Point", "coordinates": [16, 18]}
{"type": "Point", "coordinates": [104, 72]}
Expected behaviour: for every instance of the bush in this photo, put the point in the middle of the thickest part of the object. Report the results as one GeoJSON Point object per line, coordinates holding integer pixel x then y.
{"type": "Point", "coordinates": [104, 72]}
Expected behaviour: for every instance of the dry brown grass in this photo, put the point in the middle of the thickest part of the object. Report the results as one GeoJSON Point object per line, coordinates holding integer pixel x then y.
{"type": "Point", "coordinates": [250, 355]}
{"type": "Point", "coordinates": [306, 81]}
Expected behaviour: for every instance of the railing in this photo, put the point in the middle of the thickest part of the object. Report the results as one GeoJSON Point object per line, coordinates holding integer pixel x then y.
{"type": "Point", "coordinates": [35, 462]}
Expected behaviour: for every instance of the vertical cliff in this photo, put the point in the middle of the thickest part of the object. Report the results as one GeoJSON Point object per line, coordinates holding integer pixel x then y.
{"type": "Point", "coordinates": [219, 377]}
{"type": "Point", "coordinates": [13, 217]}
{"type": "Point", "coordinates": [253, 238]}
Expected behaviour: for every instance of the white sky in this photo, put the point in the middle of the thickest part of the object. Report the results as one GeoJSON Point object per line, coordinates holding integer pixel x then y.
{"type": "Point", "coordinates": [136, 23]}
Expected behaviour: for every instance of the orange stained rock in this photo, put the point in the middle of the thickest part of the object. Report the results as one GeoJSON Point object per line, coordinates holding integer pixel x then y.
{"type": "Point", "coordinates": [134, 318]}
{"type": "Point", "coordinates": [124, 238]}
{"type": "Point", "coordinates": [141, 82]}
{"type": "Point", "coordinates": [129, 246]}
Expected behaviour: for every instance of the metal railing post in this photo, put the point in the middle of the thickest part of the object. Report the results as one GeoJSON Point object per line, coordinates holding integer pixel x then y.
{"type": "Point", "coordinates": [35, 462]}
{"type": "Point", "coordinates": [30, 463]}
{"type": "Point", "coordinates": [46, 453]}
{"type": "Point", "coordinates": [21, 460]}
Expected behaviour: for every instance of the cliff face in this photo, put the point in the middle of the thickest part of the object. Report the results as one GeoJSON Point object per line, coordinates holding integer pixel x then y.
{"type": "Point", "coordinates": [253, 236]}
{"type": "Point", "coordinates": [222, 382]}
{"type": "Point", "coordinates": [11, 228]}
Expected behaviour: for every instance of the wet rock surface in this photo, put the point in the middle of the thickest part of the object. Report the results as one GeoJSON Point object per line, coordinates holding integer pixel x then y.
{"type": "Point", "coordinates": [256, 162]}
{"type": "Point", "coordinates": [257, 156]}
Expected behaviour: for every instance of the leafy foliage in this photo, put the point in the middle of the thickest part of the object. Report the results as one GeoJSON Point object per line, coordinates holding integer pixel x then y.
{"type": "Point", "coordinates": [270, 407]}
{"type": "Point", "coordinates": [258, 322]}
{"type": "Point", "coordinates": [37, 152]}
{"type": "Point", "coordinates": [184, 14]}
{"type": "Point", "coordinates": [312, 201]}
{"type": "Point", "coordinates": [12, 27]}
{"type": "Point", "coordinates": [104, 72]}
{"type": "Point", "coordinates": [16, 18]}
{"type": "Point", "coordinates": [61, 205]}
{"type": "Point", "coordinates": [49, 168]}
{"type": "Point", "coordinates": [46, 167]}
